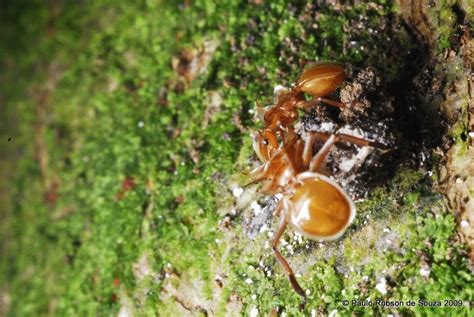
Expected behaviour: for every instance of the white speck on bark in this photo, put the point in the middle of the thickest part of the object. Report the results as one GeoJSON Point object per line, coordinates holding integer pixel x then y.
{"type": "Point", "coordinates": [141, 269]}
{"type": "Point", "coordinates": [382, 286]}
{"type": "Point", "coordinates": [237, 192]}
{"type": "Point", "coordinates": [425, 272]}
{"type": "Point", "coordinates": [257, 209]}
{"type": "Point", "coordinates": [126, 308]}
{"type": "Point", "coordinates": [333, 313]}
{"type": "Point", "coordinates": [254, 312]}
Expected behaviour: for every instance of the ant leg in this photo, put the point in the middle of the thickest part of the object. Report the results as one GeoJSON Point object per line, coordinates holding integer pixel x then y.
{"type": "Point", "coordinates": [363, 142]}
{"type": "Point", "coordinates": [309, 104]}
{"type": "Point", "coordinates": [284, 264]}
{"type": "Point", "coordinates": [308, 148]}
{"type": "Point", "coordinates": [332, 102]}
{"type": "Point", "coordinates": [319, 158]}
{"type": "Point", "coordinates": [258, 174]}
{"type": "Point", "coordinates": [352, 139]}
{"type": "Point", "coordinates": [279, 207]}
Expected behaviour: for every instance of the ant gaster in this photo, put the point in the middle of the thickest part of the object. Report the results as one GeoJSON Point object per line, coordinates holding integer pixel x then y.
{"type": "Point", "coordinates": [312, 203]}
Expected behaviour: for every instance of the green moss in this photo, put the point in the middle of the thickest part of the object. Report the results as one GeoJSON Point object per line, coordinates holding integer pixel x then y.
{"type": "Point", "coordinates": [447, 20]}
{"type": "Point", "coordinates": [114, 111]}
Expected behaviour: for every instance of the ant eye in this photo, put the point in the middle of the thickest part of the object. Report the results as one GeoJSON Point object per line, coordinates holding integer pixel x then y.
{"type": "Point", "coordinates": [265, 142]}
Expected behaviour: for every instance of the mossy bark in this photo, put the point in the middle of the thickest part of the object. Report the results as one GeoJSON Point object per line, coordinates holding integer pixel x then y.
{"type": "Point", "coordinates": [126, 139]}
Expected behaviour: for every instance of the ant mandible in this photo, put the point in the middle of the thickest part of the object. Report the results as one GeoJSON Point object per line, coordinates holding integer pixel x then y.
{"type": "Point", "coordinates": [312, 203]}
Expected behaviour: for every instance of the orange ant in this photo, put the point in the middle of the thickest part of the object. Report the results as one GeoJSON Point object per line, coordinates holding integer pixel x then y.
{"type": "Point", "coordinates": [313, 204]}
{"type": "Point", "coordinates": [318, 79]}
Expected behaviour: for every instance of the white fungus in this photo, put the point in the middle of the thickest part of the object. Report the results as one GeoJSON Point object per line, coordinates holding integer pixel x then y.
{"type": "Point", "coordinates": [237, 192]}
{"type": "Point", "coordinates": [254, 312]}
{"type": "Point", "coordinates": [347, 129]}
{"type": "Point", "coordinates": [382, 286]}
{"type": "Point", "coordinates": [425, 272]}
{"type": "Point", "coordinates": [333, 313]}
{"type": "Point", "coordinates": [327, 127]}
{"type": "Point", "coordinates": [257, 209]}
{"type": "Point", "coordinates": [263, 228]}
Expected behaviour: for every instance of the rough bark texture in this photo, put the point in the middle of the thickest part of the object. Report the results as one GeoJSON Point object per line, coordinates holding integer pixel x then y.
{"type": "Point", "coordinates": [125, 140]}
{"type": "Point", "coordinates": [450, 92]}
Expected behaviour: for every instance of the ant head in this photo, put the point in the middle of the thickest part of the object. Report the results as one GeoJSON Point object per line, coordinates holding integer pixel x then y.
{"type": "Point", "coordinates": [265, 143]}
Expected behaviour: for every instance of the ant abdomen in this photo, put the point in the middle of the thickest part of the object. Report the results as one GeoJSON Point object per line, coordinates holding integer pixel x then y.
{"type": "Point", "coordinates": [320, 79]}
